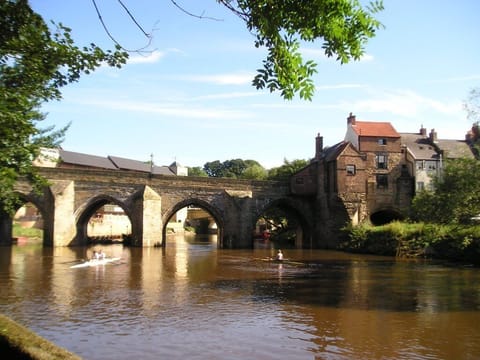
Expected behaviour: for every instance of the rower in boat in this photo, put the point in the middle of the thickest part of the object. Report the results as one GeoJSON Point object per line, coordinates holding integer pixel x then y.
{"type": "Point", "coordinates": [98, 255]}
{"type": "Point", "coordinates": [279, 256]}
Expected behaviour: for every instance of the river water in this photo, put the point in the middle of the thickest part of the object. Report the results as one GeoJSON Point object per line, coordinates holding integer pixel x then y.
{"type": "Point", "coordinates": [191, 300]}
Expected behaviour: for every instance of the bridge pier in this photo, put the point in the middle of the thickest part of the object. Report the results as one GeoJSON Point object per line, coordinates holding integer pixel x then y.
{"type": "Point", "coordinates": [63, 207]}
{"type": "Point", "coordinates": [151, 222]}
{"type": "Point", "coordinates": [5, 229]}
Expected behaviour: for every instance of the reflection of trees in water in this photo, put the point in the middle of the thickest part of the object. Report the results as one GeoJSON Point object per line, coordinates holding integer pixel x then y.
{"type": "Point", "coordinates": [371, 285]}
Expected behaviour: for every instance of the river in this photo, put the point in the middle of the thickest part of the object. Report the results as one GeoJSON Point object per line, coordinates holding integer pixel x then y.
{"type": "Point", "coordinates": [191, 300]}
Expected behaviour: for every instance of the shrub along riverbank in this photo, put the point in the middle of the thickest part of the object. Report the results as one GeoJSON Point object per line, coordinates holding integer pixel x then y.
{"type": "Point", "coordinates": [448, 242]}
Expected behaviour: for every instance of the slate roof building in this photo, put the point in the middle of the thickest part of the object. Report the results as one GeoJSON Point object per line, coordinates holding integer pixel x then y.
{"type": "Point", "coordinates": [69, 159]}
{"type": "Point", "coordinates": [426, 155]}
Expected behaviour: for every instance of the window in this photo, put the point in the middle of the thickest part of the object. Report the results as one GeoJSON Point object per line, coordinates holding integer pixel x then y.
{"type": "Point", "coordinates": [431, 165]}
{"type": "Point", "coordinates": [350, 169]}
{"type": "Point", "coordinates": [382, 181]}
{"type": "Point", "coordinates": [420, 165]}
{"type": "Point", "coordinates": [381, 161]}
{"type": "Point", "coordinates": [382, 141]}
{"type": "Point", "coordinates": [299, 180]}
{"type": "Point", "coordinates": [420, 186]}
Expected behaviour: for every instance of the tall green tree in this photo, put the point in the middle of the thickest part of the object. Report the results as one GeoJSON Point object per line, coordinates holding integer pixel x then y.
{"type": "Point", "coordinates": [287, 169]}
{"type": "Point", "coordinates": [35, 63]}
{"type": "Point", "coordinates": [197, 171]}
{"type": "Point", "coordinates": [281, 26]}
{"type": "Point", "coordinates": [456, 198]}
{"type": "Point", "coordinates": [235, 168]}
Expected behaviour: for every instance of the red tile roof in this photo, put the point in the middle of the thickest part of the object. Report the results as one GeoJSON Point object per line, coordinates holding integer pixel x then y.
{"type": "Point", "coordinates": [368, 128]}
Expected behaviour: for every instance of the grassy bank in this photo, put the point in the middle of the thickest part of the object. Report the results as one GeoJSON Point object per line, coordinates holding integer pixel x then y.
{"type": "Point", "coordinates": [17, 342]}
{"type": "Point", "coordinates": [449, 242]}
{"type": "Point", "coordinates": [19, 231]}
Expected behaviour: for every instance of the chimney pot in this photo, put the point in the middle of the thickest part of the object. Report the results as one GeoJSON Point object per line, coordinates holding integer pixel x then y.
{"type": "Point", "coordinates": [318, 146]}
{"type": "Point", "coordinates": [423, 131]}
{"type": "Point", "coordinates": [351, 119]}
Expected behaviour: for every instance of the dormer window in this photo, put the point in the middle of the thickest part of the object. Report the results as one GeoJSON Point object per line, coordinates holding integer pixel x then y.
{"type": "Point", "coordinates": [382, 141]}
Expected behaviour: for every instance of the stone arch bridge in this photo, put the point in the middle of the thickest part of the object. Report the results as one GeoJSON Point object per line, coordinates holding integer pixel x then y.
{"type": "Point", "coordinates": [149, 201]}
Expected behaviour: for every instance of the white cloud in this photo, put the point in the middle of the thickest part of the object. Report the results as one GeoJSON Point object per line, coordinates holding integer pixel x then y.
{"type": "Point", "coordinates": [339, 86]}
{"type": "Point", "coordinates": [406, 103]}
{"type": "Point", "coordinates": [174, 110]}
{"type": "Point", "coordinates": [221, 79]}
{"type": "Point", "coordinates": [474, 77]}
{"type": "Point", "coordinates": [149, 58]}
{"type": "Point", "coordinates": [231, 95]}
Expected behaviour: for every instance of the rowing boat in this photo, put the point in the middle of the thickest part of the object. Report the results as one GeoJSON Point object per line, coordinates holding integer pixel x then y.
{"type": "Point", "coordinates": [95, 262]}
{"type": "Point", "coordinates": [283, 261]}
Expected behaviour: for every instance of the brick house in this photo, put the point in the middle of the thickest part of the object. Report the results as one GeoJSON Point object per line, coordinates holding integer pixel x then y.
{"type": "Point", "coordinates": [363, 177]}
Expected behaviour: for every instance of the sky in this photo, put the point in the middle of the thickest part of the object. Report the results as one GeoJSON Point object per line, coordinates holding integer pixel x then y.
{"type": "Point", "coordinates": [189, 98]}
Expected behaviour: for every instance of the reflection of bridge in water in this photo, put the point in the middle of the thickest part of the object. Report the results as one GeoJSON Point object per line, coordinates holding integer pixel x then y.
{"type": "Point", "coordinates": [150, 201]}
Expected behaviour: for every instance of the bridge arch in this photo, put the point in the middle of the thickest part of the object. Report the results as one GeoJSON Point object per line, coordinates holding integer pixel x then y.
{"type": "Point", "coordinates": [6, 220]}
{"type": "Point", "coordinates": [84, 213]}
{"type": "Point", "coordinates": [385, 215]}
{"type": "Point", "coordinates": [212, 210]}
{"type": "Point", "coordinates": [299, 213]}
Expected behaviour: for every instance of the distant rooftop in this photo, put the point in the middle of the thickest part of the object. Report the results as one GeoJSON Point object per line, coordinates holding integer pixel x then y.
{"type": "Point", "coordinates": [454, 149]}
{"type": "Point", "coordinates": [74, 158]}
{"type": "Point", "coordinates": [419, 146]}
{"type": "Point", "coordinates": [64, 158]}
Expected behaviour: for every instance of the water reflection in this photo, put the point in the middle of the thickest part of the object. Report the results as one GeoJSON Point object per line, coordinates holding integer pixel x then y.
{"type": "Point", "coordinates": [191, 300]}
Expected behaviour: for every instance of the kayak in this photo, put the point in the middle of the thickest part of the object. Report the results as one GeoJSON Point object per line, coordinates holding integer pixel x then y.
{"type": "Point", "coordinates": [95, 262]}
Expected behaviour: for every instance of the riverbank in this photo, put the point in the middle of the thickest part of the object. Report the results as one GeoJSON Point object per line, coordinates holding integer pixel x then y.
{"type": "Point", "coordinates": [18, 342]}
{"type": "Point", "coordinates": [435, 241]}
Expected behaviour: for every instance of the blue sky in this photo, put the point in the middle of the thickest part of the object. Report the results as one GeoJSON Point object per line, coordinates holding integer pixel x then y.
{"type": "Point", "coordinates": [190, 98]}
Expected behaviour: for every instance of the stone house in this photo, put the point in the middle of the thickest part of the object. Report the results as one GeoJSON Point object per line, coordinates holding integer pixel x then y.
{"type": "Point", "coordinates": [363, 177]}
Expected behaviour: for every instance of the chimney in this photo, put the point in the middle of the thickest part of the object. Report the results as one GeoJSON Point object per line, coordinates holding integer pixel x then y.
{"type": "Point", "coordinates": [351, 119]}
{"type": "Point", "coordinates": [318, 146]}
{"type": "Point", "coordinates": [423, 131]}
{"type": "Point", "coordinates": [433, 136]}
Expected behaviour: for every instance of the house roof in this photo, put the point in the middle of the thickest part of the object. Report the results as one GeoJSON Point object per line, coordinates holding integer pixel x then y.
{"type": "Point", "coordinates": [420, 146]}
{"type": "Point", "coordinates": [332, 152]}
{"type": "Point", "coordinates": [111, 163]}
{"type": "Point", "coordinates": [74, 158]}
{"type": "Point", "coordinates": [454, 149]}
{"type": "Point", "coordinates": [369, 128]}
{"type": "Point", "coordinates": [135, 165]}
